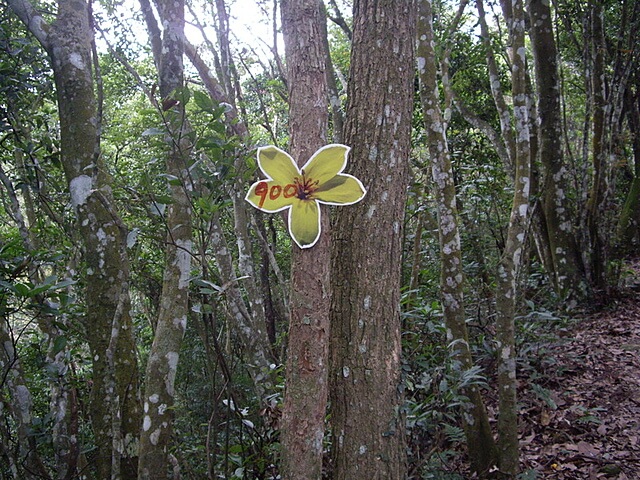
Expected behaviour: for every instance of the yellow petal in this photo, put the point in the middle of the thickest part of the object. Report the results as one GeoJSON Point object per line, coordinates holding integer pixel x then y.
{"type": "Point", "coordinates": [277, 165]}
{"type": "Point", "coordinates": [270, 196]}
{"type": "Point", "coordinates": [342, 189]}
{"type": "Point", "coordinates": [326, 163]}
{"type": "Point", "coordinates": [304, 222]}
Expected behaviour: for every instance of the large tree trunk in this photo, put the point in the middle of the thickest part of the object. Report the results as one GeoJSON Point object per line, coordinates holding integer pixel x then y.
{"type": "Point", "coordinates": [303, 417]}
{"type": "Point", "coordinates": [482, 450]}
{"type": "Point", "coordinates": [568, 272]}
{"type": "Point", "coordinates": [114, 408]}
{"type": "Point", "coordinates": [366, 395]}
{"type": "Point", "coordinates": [161, 369]}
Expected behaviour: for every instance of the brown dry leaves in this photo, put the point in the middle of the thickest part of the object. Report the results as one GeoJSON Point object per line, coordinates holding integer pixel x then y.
{"type": "Point", "coordinates": [589, 425]}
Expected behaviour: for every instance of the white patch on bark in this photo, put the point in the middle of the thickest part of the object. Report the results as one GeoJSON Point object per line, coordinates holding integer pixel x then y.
{"type": "Point", "coordinates": [362, 450]}
{"type": "Point", "coordinates": [522, 209]}
{"type": "Point", "coordinates": [565, 226]}
{"type": "Point", "coordinates": [505, 353]}
{"type": "Point", "coordinates": [146, 423]}
{"type": "Point", "coordinates": [153, 438]}
{"type": "Point", "coordinates": [75, 59]}
{"type": "Point", "coordinates": [450, 300]}
{"type": "Point", "coordinates": [345, 372]}
{"type": "Point", "coordinates": [421, 64]}
{"type": "Point", "coordinates": [367, 302]}
{"type": "Point", "coordinates": [172, 361]}
{"type": "Point", "coordinates": [181, 322]}
{"type": "Point", "coordinates": [24, 400]}
{"type": "Point", "coordinates": [80, 188]}
{"type": "Point", "coordinates": [154, 398]}
{"type": "Point", "coordinates": [183, 262]}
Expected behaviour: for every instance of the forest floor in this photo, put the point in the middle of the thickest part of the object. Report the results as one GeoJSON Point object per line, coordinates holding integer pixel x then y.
{"type": "Point", "coordinates": [581, 402]}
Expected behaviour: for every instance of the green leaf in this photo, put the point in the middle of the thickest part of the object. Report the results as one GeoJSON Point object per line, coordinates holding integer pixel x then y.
{"type": "Point", "coordinates": [203, 101]}
{"type": "Point", "coordinates": [21, 289]}
{"type": "Point", "coordinates": [183, 94]}
{"type": "Point", "coordinates": [59, 344]}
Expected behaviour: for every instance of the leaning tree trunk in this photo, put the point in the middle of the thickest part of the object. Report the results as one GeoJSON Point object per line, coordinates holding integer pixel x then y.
{"type": "Point", "coordinates": [366, 393]}
{"type": "Point", "coordinates": [482, 450]}
{"type": "Point", "coordinates": [303, 416]}
{"type": "Point", "coordinates": [114, 408]}
{"type": "Point", "coordinates": [161, 368]}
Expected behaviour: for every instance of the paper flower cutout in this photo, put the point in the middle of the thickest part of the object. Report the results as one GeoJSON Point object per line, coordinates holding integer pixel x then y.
{"type": "Point", "coordinates": [320, 180]}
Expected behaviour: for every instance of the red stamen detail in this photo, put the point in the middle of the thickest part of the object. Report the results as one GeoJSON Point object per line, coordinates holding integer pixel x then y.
{"type": "Point", "coordinates": [305, 187]}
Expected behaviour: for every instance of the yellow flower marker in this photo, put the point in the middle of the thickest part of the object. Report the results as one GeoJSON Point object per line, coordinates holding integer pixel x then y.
{"type": "Point", "coordinates": [320, 180]}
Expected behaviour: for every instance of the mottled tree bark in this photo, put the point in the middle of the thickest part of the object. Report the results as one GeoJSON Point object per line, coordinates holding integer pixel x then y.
{"type": "Point", "coordinates": [22, 456]}
{"type": "Point", "coordinates": [504, 113]}
{"type": "Point", "coordinates": [114, 405]}
{"type": "Point", "coordinates": [366, 389]}
{"type": "Point", "coordinates": [512, 256]}
{"type": "Point", "coordinates": [159, 393]}
{"type": "Point", "coordinates": [568, 272]}
{"type": "Point", "coordinates": [482, 450]}
{"type": "Point", "coordinates": [304, 411]}
{"type": "Point", "coordinates": [597, 255]}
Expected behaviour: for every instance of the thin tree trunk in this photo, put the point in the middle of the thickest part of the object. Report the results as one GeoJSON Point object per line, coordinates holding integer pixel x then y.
{"type": "Point", "coordinates": [245, 309]}
{"type": "Point", "coordinates": [23, 457]}
{"type": "Point", "coordinates": [172, 317]}
{"type": "Point", "coordinates": [304, 411]}
{"type": "Point", "coordinates": [366, 395]}
{"type": "Point", "coordinates": [504, 113]}
{"type": "Point", "coordinates": [482, 449]}
{"type": "Point", "coordinates": [568, 273]}
{"type": "Point", "coordinates": [598, 255]}
{"type": "Point", "coordinates": [512, 256]}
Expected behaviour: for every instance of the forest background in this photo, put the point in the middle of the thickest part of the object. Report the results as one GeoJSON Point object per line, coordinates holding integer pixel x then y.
{"type": "Point", "coordinates": [155, 325]}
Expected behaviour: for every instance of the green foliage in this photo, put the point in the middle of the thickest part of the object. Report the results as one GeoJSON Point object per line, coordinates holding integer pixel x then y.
{"type": "Point", "coordinates": [222, 429]}
{"type": "Point", "coordinates": [433, 384]}
{"type": "Point", "coordinates": [220, 420]}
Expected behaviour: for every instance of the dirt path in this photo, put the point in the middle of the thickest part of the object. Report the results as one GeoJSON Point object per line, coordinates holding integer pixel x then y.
{"type": "Point", "coordinates": [584, 421]}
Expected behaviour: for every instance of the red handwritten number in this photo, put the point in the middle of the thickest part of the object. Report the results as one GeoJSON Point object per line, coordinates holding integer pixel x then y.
{"type": "Point", "coordinates": [261, 190]}
{"type": "Point", "coordinates": [290, 190]}
{"type": "Point", "coordinates": [275, 192]}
